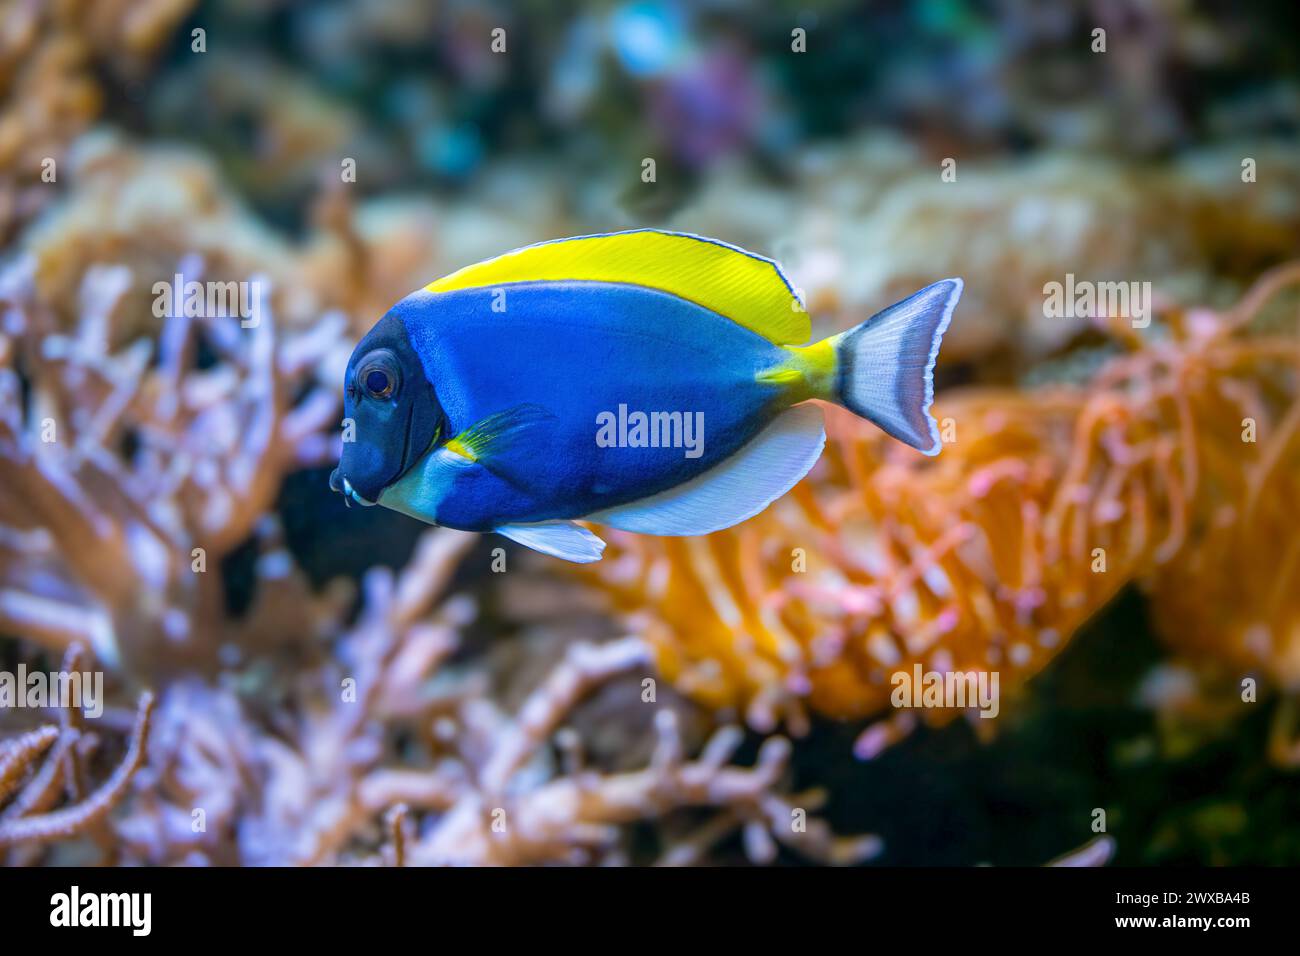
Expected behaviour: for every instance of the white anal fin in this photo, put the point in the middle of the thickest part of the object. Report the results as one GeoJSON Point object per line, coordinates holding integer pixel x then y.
{"type": "Point", "coordinates": [560, 539]}
{"type": "Point", "coordinates": [733, 490]}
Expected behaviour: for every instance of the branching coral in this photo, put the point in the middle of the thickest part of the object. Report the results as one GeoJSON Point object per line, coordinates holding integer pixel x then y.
{"type": "Point", "coordinates": [36, 786]}
{"type": "Point", "coordinates": [150, 210]}
{"type": "Point", "coordinates": [52, 53]}
{"type": "Point", "coordinates": [368, 757]}
{"type": "Point", "coordinates": [137, 451]}
{"type": "Point", "coordinates": [987, 558]}
{"type": "Point", "coordinates": [269, 768]}
{"type": "Point", "coordinates": [126, 472]}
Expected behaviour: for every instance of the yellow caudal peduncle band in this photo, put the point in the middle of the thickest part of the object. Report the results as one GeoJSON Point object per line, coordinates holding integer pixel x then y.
{"type": "Point", "coordinates": [807, 373]}
{"type": "Point", "coordinates": [748, 289]}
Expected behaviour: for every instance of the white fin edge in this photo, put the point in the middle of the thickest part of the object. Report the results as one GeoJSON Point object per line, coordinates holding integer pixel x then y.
{"type": "Point", "coordinates": [558, 538]}
{"type": "Point", "coordinates": [733, 490]}
{"type": "Point", "coordinates": [887, 364]}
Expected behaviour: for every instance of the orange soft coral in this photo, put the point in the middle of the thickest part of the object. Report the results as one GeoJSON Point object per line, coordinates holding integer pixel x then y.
{"type": "Point", "coordinates": [1230, 606]}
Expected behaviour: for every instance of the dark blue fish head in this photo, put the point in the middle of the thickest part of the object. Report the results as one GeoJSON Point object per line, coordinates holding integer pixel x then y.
{"type": "Point", "coordinates": [391, 415]}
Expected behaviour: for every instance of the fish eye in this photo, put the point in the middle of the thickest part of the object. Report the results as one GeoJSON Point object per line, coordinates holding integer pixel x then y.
{"type": "Point", "coordinates": [378, 383]}
{"type": "Point", "coordinates": [378, 376]}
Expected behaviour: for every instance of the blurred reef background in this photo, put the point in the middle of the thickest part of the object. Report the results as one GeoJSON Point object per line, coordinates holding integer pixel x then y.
{"type": "Point", "coordinates": [294, 682]}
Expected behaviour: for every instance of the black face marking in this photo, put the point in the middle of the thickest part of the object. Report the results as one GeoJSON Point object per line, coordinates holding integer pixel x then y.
{"type": "Point", "coordinates": [393, 409]}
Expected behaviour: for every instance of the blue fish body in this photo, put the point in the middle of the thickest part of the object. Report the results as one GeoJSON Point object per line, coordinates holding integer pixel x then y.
{"type": "Point", "coordinates": [581, 350]}
{"type": "Point", "coordinates": [651, 381]}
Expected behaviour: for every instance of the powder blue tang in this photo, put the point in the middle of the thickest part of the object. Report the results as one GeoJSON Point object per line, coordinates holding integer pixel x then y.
{"type": "Point", "coordinates": [506, 396]}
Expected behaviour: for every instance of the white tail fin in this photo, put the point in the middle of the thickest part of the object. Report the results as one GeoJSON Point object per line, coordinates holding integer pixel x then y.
{"type": "Point", "coordinates": [886, 364]}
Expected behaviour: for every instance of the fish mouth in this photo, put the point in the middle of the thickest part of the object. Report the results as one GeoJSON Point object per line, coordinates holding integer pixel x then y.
{"type": "Point", "coordinates": [344, 487]}
{"type": "Point", "coordinates": [410, 456]}
{"type": "Point", "coordinates": [355, 496]}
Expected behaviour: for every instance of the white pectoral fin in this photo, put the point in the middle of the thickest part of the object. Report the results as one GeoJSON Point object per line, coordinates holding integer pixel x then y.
{"type": "Point", "coordinates": [735, 489]}
{"type": "Point", "coordinates": [560, 539]}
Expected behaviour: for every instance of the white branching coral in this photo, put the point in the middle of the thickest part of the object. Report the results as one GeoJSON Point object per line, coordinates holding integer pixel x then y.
{"type": "Point", "coordinates": [127, 471]}
{"type": "Point", "coordinates": [47, 766]}
{"type": "Point", "coordinates": [387, 753]}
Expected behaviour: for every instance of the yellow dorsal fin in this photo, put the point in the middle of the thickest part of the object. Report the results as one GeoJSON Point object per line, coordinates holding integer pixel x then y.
{"type": "Point", "coordinates": [746, 288]}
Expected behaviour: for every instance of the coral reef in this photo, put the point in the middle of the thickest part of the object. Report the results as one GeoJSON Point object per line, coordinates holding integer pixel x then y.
{"type": "Point", "coordinates": [137, 455]}
{"type": "Point", "coordinates": [290, 684]}
{"type": "Point", "coordinates": [135, 448]}
{"type": "Point", "coordinates": [127, 469]}
{"type": "Point", "coordinates": [139, 452]}
{"type": "Point", "coordinates": [53, 54]}
{"type": "Point", "coordinates": [1228, 607]}
{"type": "Point", "coordinates": [43, 765]}
{"type": "Point", "coordinates": [1043, 505]}
{"type": "Point", "coordinates": [1231, 598]}
{"type": "Point", "coordinates": [149, 210]}
{"type": "Point", "coordinates": [383, 753]}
